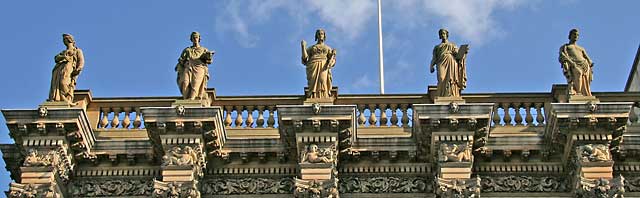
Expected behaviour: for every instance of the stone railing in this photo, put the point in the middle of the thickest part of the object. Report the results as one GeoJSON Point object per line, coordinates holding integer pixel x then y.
{"type": "Point", "coordinates": [122, 113]}
{"type": "Point", "coordinates": [390, 110]}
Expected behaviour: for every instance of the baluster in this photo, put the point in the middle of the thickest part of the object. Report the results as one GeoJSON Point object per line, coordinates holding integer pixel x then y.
{"type": "Point", "coordinates": [239, 121]}
{"type": "Point", "coordinates": [405, 116]}
{"type": "Point", "coordinates": [507, 117]}
{"type": "Point", "coordinates": [496, 116]}
{"type": "Point", "coordinates": [361, 118]}
{"type": "Point", "coordinates": [372, 118]}
{"type": "Point", "coordinates": [137, 122]}
{"type": "Point", "coordinates": [539, 115]}
{"type": "Point", "coordinates": [249, 120]}
{"type": "Point", "coordinates": [383, 115]}
{"type": "Point", "coordinates": [394, 115]}
{"type": "Point", "coordinates": [518, 119]}
{"type": "Point", "coordinates": [126, 121]}
{"type": "Point", "coordinates": [271, 121]}
{"type": "Point", "coordinates": [104, 119]}
{"type": "Point", "coordinates": [528, 118]}
{"type": "Point", "coordinates": [260, 122]}
{"type": "Point", "coordinates": [228, 121]}
{"type": "Point", "coordinates": [116, 118]}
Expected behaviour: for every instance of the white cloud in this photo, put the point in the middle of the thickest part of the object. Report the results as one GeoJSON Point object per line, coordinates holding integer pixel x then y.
{"type": "Point", "coordinates": [363, 82]}
{"type": "Point", "coordinates": [473, 20]}
{"type": "Point", "coordinates": [348, 17]}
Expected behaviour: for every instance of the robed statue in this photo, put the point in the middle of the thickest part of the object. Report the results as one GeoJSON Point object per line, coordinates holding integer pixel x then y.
{"type": "Point", "coordinates": [451, 66]}
{"type": "Point", "coordinates": [193, 70]}
{"type": "Point", "coordinates": [69, 64]}
{"type": "Point", "coordinates": [319, 59]}
{"type": "Point", "coordinates": [576, 66]}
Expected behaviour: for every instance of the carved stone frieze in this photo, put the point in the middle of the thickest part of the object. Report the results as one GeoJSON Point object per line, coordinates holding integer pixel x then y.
{"type": "Point", "coordinates": [384, 185]}
{"type": "Point", "coordinates": [54, 158]}
{"type": "Point", "coordinates": [316, 188]}
{"type": "Point", "coordinates": [458, 188]}
{"type": "Point", "coordinates": [17, 190]}
{"type": "Point", "coordinates": [182, 156]}
{"type": "Point", "coordinates": [601, 188]}
{"type": "Point", "coordinates": [594, 153]}
{"type": "Point", "coordinates": [313, 154]}
{"type": "Point", "coordinates": [632, 184]}
{"type": "Point", "coordinates": [248, 186]}
{"type": "Point", "coordinates": [112, 187]}
{"type": "Point", "coordinates": [175, 190]}
{"type": "Point", "coordinates": [513, 183]}
{"type": "Point", "coordinates": [455, 152]}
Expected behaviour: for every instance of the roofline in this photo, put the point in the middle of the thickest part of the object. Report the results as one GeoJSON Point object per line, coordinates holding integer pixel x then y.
{"type": "Point", "coordinates": [634, 69]}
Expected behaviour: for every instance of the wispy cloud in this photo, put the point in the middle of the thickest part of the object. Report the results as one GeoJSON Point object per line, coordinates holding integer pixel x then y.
{"type": "Point", "coordinates": [347, 17]}
{"type": "Point", "coordinates": [473, 20]}
{"type": "Point", "coordinates": [362, 83]}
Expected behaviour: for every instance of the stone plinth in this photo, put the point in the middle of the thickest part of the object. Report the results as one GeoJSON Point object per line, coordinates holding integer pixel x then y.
{"type": "Point", "coordinates": [448, 100]}
{"type": "Point", "coordinates": [583, 99]}
{"type": "Point", "coordinates": [455, 170]}
{"type": "Point", "coordinates": [178, 174]}
{"type": "Point", "coordinates": [316, 171]}
{"type": "Point", "coordinates": [190, 103]}
{"type": "Point", "coordinates": [596, 170]}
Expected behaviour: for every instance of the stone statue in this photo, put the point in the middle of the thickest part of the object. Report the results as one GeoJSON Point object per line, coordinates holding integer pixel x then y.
{"type": "Point", "coordinates": [455, 153]}
{"type": "Point", "coordinates": [69, 64]}
{"type": "Point", "coordinates": [451, 62]}
{"type": "Point", "coordinates": [180, 157]}
{"type": "Point", "coordinates": [193, 70]}
{"type": "Point", "coordinates": [319, 59]}
{"type": "Point", "coordinates": [313, 155]}
{"type": "Point", "coordinates": [595, 153]}
{"type": "Point", "coordinates": [576, 66]}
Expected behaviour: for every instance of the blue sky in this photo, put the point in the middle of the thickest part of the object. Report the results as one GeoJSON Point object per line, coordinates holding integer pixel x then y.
{"type": "Point", "coordinates": [131, 47]}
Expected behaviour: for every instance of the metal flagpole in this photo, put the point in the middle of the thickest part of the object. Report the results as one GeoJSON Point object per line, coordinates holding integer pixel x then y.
{"type": "Point", "coordinates": [380, 47]}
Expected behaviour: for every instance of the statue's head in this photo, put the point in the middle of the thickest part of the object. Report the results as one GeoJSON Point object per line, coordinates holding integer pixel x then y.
{"type": "Point", "coordinates": [321, 35]}
{"type": "Point", "coordinates": [313, 148]}
{"type": "Point", "coordinates": [573, 34]}
{"type": "Point", "coordinates": [443, 33]}
{"type": "Point", "coordinates": [195, 37]}
{"type": "Point", "coordinates": [67, 38]}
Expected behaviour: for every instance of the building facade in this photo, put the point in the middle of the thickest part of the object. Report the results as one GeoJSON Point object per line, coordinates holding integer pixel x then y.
{"type": "Point", "coordinates": [392, 145]}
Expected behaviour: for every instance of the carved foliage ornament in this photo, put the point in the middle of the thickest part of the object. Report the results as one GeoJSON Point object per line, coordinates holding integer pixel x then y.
{"type": "Point", "coordinates": [115, 187]}
{"type": "Point", "coordinates": [248, 186]}
{"type": "Point", "coordinates": [383, 185]}
{"type": "Point", "coordinates": [459, 188]}
{"type": "Point", "coordinates": [56, 159]}
{"type": "Point", "coordinates": [175, 190]}
{"type": "Point", "coordinates": [632, 184]}
{"type": "Point", "coordinates": [601, 188]}
{"type": "Point", "coordinates": [523, 184]}
{"type": "Point", "coordinates": [17, 190]}
{"type": "Point", "coordinates": [316, 188]}
{"type": "Point", "coordinates": [183, 156]}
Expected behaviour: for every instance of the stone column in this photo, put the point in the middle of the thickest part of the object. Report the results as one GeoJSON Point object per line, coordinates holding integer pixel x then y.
{"type": "Point", "coordinates": [319, 135]}
{"type": "Point", "coordinates": [182, 137]}
{"type": "Point", "coordinates": [584, 135]}
{"type": "Point", "coordinates": [455, 131]}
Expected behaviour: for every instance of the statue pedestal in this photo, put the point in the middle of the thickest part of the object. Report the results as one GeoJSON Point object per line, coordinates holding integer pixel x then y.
{"type": "Point", "coordinates": [323, 101]}
{"type": "Point", "coordinates": [55, 104]}
{"type": "Point", "coordinates": [448, 100]}
{"type": "Point", "coordinates": [583, 99]}
{"type": "Point", "coordinates": [190, 103]}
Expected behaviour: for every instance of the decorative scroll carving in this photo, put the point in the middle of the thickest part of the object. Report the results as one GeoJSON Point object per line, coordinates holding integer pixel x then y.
{"type": "Point", "coordinates": [459, 188]}
{"type": "Point", "coordinates": [313, 154]}
{"type": "Point", "coordinates": [632, 184]}
{"type": "Point", "coordinates": [248, 186]}
{"type": "Point", "coordinates": [455, 153]}
{"type": "Point", "coordinates": [316, 189]}
{"type": "Point", "coordinates": [523, 184]}
{"type": "Point", "coordinates": [383, 185]}
{"type": "Point", "coordinates": [594, 153]}
{"type": "Point", "coordinates": [55, 159]}
{"type": "Point", "coordinates": [175, 190]}
{"type": "Point", "coordinates": [601, 188]}
{"type": "Point", "coordinates": [17, 190]}
{"type": "Point", "coordinates": [115, 187]}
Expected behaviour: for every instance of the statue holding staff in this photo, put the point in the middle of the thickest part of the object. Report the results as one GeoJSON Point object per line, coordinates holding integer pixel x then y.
{"type": "Point", "coordinates": [577, 67]}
